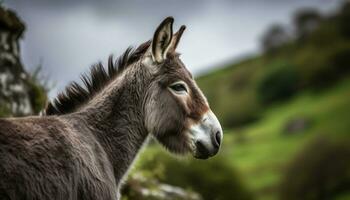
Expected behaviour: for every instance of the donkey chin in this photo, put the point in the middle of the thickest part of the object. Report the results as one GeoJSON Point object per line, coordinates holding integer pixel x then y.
{"type": "Point", "coordinates": [206, 136]}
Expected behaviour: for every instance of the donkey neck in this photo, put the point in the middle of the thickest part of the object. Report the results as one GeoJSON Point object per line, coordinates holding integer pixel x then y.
{"type": "Point", "coordinates": [115, 117]}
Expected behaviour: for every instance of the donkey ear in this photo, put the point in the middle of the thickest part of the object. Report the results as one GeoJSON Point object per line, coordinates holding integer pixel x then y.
{"type": "Point", "coordinates": [176, 39]}
{"type": "Point", "coordinates": [162, 40]}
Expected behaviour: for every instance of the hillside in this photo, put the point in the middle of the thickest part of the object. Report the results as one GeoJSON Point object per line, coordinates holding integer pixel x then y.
{"type": "Point", "coordinates": [255, 159]}
{"type": "Point", "coordinates": [285, 115]}
{"type": "Point", "coordinates": [276, 105]}
{"type": "Point", "coordinates": [286, 119]}
{"type": "Point", "coordinates": [310, 61]}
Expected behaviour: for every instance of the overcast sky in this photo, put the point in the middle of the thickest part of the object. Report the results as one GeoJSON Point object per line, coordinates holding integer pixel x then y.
{"type": "Point", "coordinates": [67, 36]}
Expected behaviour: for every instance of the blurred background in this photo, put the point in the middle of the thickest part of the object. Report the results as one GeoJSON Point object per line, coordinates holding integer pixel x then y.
{"type": "Point", "coordinates": [276, 73]}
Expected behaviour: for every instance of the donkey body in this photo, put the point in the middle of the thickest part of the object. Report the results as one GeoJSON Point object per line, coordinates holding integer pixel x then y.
{"type": "Point", "coordinates": [46, 158]}
{"type": "Point", "coordinates": [88, 137]}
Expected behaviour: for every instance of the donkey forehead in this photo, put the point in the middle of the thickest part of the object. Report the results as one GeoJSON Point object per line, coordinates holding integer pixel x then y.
{"type": "Point", "coordinates": [175, 69]}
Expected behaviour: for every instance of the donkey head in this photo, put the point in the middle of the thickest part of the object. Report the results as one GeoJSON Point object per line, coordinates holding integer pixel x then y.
{"type": "Point", "coordinates": [176, 112]}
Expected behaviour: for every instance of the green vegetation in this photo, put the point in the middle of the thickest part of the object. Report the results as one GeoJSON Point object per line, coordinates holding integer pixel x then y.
{"type": "Point", "coordinates": [277, 85]}
{"type": "Point", "coordinates": [285, 115]}
{"type": "Point", "coordinates": [213, 179]}
{"type": "Point", "coordinates": [38, 89]}
{"type": "Point", "coordinates": [275, 108]}
{"type": "Point", "coordinates": [262, 150]}
{"type": "Point", "coordinates": [239, 92]}
{"type": "Point", "coordinates": [319, 173]}
{"type": "Point", "coordinates": [4, 111]}
{"type": "Point", "coordinates": [254, 158]}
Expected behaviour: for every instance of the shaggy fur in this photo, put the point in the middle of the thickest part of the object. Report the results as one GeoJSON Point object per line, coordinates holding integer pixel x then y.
{"type": "Point", "coordinates": [84, 145]}
{"type": "Point", "coordinates": [76, 95]}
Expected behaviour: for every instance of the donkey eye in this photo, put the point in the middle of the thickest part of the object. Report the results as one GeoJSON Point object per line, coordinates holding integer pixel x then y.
{"type": "Point", "coordinates": [179, 87]}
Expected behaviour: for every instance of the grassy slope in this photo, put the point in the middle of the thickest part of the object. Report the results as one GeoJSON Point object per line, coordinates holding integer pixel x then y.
{"type": "Point", "coordinates": [260, 151]}
{"type": "Point", "coordinates": [257, 147]}
{"type": "Point", "coordinates": [235, 87]}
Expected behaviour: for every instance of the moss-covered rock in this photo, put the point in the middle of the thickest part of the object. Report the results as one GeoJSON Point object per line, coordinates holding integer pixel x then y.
{"type": "Point", "coordinates": [20, 93]}
{"type": "Point", "coordinates": [214, 178]}
{"type": "Point", "coordinates": [139, 186]}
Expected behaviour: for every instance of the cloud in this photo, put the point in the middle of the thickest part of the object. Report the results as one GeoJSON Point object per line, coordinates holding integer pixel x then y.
{"type": "Point", "coordinates": [69, 36]}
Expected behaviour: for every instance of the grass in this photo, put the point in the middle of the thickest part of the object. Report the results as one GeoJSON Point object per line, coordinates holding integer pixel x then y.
{"type": "Point", "coordinates": [260, 151]}
{"type": "Point", "coordinates": [256, 144]}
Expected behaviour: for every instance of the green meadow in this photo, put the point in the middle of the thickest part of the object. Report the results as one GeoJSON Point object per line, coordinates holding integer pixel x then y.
{"type": "Point", "coordinates": [258, 153]}
{"type": "Point", "coordinates": [262, 150]}
{"type": "Point", "coordinates": [286, 120]}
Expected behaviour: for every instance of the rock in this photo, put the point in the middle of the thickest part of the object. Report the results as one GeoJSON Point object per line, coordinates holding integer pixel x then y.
{"type": "Point", "coordinates": [17, 91]}
{"type": "Point", "coordinates": [297, 125]}
{"type": "Point", "coordinates": [138, 187]}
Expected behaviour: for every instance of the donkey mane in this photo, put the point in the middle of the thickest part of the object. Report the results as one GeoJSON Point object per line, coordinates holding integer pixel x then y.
{"type": "Point", "coordinates": [76, 95]}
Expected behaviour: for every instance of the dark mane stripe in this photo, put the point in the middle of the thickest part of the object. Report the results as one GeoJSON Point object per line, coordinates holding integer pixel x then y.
{"type": "Point", "coordinates": [76, 95]}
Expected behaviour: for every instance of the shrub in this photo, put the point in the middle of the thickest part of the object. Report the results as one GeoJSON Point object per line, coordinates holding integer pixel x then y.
{"type": "Point", "coordinates": [306, 21]}
{"type": "Point", "coordinates": [344, 19]}
{"type": "Point", "coordinates": [320, 171]}
{"type": "Point", "coordinates": [340, 61]}
{"type": "Point", "coordinates": [38, 89]}
{"type": "Point", "coordinates": [277, 85]}
{"type": "Point", "coordinates": [214, 179]}
{"type": "Point", "coordinates": [5, 111]}
{"type": "Point", "coordinates": [38, 97]}
{"type": "Point", "coordinates": [324, 68]}
{"type": "Point", "coordinates": [275, 37]}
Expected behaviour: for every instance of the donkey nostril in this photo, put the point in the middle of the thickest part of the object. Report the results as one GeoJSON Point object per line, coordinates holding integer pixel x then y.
{"type": "Point", "coordinates": [218, 138]}
{"type": "Point", "coordinates": [201, 148]}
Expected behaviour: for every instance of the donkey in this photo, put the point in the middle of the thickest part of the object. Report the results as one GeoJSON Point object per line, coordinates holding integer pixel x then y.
{"type": "Point", "coordinates": [87, 138]}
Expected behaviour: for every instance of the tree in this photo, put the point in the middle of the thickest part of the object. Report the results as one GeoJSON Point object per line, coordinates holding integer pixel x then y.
{"type": "Point", "coordinates": [274, 38]}
{"type": "Point", "coordinates": [345, 19]}
{"type": "Point", "coordinates": [306, 21]}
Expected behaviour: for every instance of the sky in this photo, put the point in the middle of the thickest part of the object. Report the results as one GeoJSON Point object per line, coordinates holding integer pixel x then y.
{"type": "Point", "coordinates": [66, 37]}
